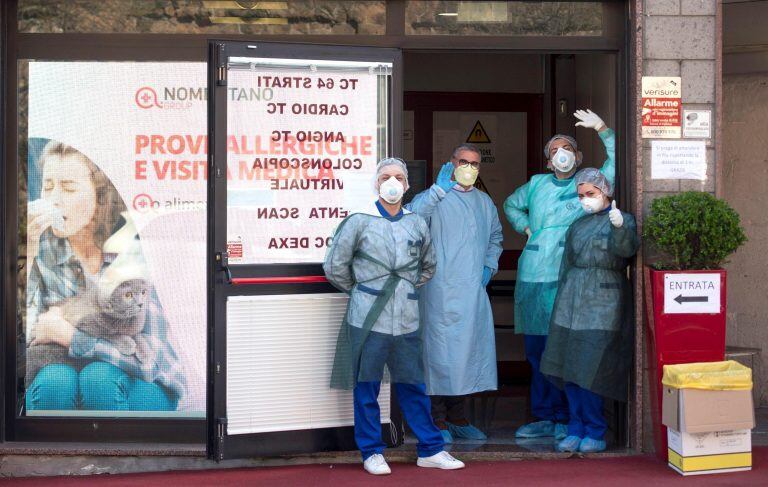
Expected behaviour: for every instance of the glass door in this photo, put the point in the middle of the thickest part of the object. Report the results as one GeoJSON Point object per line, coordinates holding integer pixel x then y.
{"type": "Point", "coordinates": [295, 132]}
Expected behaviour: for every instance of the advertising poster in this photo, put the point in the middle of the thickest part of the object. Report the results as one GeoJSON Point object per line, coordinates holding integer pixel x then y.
{"type": "Point", "coordinates": [116, 234]}
{"type": "Point", "coordinates": [116, 313]}
{"type": "Point", "coordinates": [662, 106]}
{"type": "Point", "coordinates": [301, 159]}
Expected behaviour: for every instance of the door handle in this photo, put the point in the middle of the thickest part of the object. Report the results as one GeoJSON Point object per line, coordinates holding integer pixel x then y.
{"type": "Point", "coordinates": [223, 262]}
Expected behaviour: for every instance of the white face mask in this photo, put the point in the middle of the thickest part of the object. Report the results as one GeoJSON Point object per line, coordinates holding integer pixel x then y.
{"type": "Point", "coordinates": [563, 160]}
{"type": "Point", "coordinates": [391, 190]}
{"type": "Point", "coordinates": [592, 205]}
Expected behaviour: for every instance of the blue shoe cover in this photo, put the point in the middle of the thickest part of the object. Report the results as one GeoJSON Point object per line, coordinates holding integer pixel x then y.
{"type": "Point", "coordinates": [467, 432]}
{"type": "Point", "coordinates": [447, 437]}
{"type": "Point", "coordinates": [561, 431]}
{"type": "Point", "coordinates": [569, 444]}
{"type": "Point", "coordinates": [538, 429]}
{"type": "Point", "coordinates": [589, 445]}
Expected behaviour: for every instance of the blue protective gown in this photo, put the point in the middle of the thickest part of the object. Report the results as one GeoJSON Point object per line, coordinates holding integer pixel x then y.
{"type": "Point", "coordinates": [381, 261]}
{"type": "Point", "coordinates": [547, 206]}
{"type": "Point", "coordinates": [458, 337]}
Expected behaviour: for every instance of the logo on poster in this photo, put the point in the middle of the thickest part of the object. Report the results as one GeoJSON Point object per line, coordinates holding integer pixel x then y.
{"type": "Point", "coordinates": [173, 98]}
{"type": "Point", "coordinates": [143, 202]}
{"type": "Point", "coordinates": [146, 97]}
{"type": "Point", "coordinates": [181, 97]}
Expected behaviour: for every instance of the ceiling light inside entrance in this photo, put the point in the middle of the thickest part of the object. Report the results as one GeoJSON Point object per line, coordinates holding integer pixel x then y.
{"type": "Point", "coordinates": [245, 12]}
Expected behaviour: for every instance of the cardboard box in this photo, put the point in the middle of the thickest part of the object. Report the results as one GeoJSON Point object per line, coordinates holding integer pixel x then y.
{"type": "Point", "coordinates": [700, 411]}
{"type": "Point", "coordinates": [708, 431]}
{"type": "Point", "coordinates": [709, 452]}
{"type": "Point", "coordinates": [709, 443]}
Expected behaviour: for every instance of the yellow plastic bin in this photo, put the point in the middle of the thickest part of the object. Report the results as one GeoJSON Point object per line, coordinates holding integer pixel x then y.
{"type": "Point", "coordinates": [709, 376]}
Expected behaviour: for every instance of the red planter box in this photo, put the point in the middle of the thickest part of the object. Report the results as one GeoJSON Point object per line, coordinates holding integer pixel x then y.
{"type": "Point", "coordinates": [679, 338]}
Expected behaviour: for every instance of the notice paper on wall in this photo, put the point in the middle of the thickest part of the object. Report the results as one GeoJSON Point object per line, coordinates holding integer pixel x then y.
{"type": "Point", "coordinates": [678, 159]}
{"type": "Point", "coordinates": [697, 124]}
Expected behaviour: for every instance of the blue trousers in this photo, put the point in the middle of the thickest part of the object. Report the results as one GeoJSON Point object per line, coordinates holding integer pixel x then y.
{"type": "Point", "coordinates": [98, 386]}
{"type": "Point", "coordinates": [414, 403]}
{"type": "Point", "coordinates": [586, 413]}
{"type": "Point", "coordinates": [547, 401]}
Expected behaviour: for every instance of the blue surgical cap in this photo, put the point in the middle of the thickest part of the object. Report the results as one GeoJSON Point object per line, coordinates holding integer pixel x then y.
{"type": "Point", "coordinates": [391, 161]}
{"type": "Point", "coordinates": [595, 177]}
{"type": "Point", "coordinates": [567, 138]}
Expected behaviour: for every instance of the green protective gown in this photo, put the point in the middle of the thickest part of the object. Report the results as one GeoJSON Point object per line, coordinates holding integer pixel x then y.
{"type": "Point", "coordinates": [590, 336]}
{"type": "Point", "coordinates": [547, 206]}
{"type": "Point", "coordinates": [380, 261]}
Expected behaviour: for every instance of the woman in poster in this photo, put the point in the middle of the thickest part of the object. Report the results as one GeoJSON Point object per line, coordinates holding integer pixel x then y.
{"type": "Point", "coordinates": [97, 333]}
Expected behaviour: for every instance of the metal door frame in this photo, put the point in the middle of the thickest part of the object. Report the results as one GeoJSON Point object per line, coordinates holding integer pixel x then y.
{"type": "Point", "coordinates": [225, 280]}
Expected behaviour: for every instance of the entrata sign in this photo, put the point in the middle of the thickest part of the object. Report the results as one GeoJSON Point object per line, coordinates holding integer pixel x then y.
{"type": "Point", "coordinates": [662, 107]}
{"type": "Point", "coordinates": [692, 293]}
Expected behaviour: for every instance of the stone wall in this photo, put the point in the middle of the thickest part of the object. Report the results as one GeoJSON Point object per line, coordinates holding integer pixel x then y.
{"type": "Point", "coordinates": [315, 17]}
{"type": "Point", "coordinates": [745, 180]}
{"type": "Point", "coordinates": [745, 177]}
{"type": "Point", "coordinates": [677, 38]}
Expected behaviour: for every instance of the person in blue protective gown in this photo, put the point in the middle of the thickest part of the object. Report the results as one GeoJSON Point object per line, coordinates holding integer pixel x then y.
{"type": "Point", "coordinates": [543, 209]}
{"type": "Point", "coordinates": [459, 343]}
{"type": "Point", "coordinates": [589, 349]}
{"type": "Point", "coordinates": [382, 257]}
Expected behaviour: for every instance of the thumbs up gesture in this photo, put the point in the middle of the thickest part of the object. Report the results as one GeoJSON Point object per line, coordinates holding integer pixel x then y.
{"type": "Point", "coordinates": [617, 220]}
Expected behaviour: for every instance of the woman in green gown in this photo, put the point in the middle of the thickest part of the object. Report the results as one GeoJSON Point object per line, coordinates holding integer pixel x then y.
{"type": "Point", "coordinates": [589, 349]}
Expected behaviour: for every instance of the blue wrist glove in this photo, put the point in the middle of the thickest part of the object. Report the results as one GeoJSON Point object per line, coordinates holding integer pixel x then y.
{"type": "Point", "coordinates": [487, 273]}
{"type": "Point", "coordinates": [444, 177]}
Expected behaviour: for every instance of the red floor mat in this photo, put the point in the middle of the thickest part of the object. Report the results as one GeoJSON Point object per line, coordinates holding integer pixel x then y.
{"type": "Point", "coordinates": [642, 471]}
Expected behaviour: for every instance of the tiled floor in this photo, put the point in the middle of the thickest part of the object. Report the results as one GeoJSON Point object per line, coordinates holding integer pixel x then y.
{"type": "Point", "coordinates": [509, 413]}
{"type": "Point", "coordinates": [499, 420]}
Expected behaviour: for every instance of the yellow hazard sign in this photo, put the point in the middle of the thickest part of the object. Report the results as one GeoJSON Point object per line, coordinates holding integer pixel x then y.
{"type": "Point", "coordinates": [478, 135]}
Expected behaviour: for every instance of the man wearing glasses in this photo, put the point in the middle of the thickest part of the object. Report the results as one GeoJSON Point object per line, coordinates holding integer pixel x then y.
{"type": "Point", "coordinates": [458, 337]}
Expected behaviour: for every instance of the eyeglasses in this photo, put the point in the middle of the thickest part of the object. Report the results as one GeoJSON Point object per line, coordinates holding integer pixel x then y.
{"type": "Point", "coordinates": [474, 164]}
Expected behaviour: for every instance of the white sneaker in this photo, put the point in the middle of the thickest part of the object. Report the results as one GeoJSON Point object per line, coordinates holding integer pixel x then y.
{"type": "Point", "coordinates": [376, 465]}
{"type": "Point", "coordinates": [442, 460]}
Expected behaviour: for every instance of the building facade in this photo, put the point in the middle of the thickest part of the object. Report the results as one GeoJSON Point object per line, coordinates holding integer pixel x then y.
{"type": "Point", "coordinates": [121, 90]}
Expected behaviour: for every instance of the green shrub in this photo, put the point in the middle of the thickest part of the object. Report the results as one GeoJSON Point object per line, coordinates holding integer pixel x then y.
{"type": "Point", "coordinates": [693, 230]}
